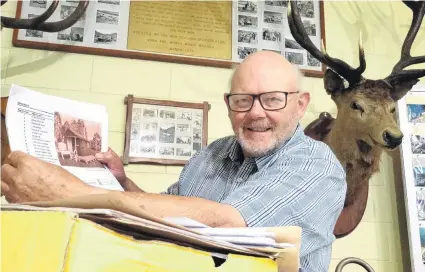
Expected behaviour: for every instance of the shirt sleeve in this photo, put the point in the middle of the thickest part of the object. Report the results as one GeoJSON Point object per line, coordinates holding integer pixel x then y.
{"type": "Point", "coordinates": [173, 189]}
{"type": "Point", "coordinates": [311, 197]}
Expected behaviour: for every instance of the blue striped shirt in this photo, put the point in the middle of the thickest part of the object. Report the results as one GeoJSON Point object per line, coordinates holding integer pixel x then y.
{"type": "Point", "coordinates": [301, 183]}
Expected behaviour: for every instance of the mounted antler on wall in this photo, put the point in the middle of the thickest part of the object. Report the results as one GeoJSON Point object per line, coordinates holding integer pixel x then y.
{"type": "Point", "coordinates": [365, 125]}
{"type": "Point", "coordinates": [39, 22]}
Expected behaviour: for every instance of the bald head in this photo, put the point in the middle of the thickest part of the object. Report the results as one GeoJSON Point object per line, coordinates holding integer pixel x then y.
{"type": "Point", "coordinates": [269, 69]}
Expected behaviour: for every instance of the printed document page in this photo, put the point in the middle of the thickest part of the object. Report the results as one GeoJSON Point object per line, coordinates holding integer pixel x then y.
{"type": "Point", "coordinates": [60, 131]}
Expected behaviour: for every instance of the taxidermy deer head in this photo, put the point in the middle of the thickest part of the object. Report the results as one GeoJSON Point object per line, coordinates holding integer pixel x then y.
{"type": "Point", "coordinates": [365, 125]}
{"type": "Point", "coordinates": [39, 22]}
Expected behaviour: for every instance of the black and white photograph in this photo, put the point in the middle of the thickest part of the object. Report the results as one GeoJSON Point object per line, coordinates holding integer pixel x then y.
{"type": "Point", "coordinates": [75, 34]}
{"type": "Point", "coordinates": [166, 114]}
{"type": "Point", "coordinates": [197, 120]}
{"type": "Point", "coordinates": [184, 152]}
{"type": "Point", "coordinates": [38, 3]}
{"type": "Point", "coordinates": [150, 126]}
{"type": "Point", "coordinates": [147, 149]}
{"type": "Point", "coordinates": [247, 21]}
{"type": "Point", "coordinates": [150, 113]}
{"type": "Point", "coordinates": [135, 129]}
{"type": "Point", "coordinates": [292, 44]}
{"type": "Point", "coordinates": [306, 9]}
{"type": "Point", "coordinates": [276, 3]}
{"type": "Point", "coordinates": [294, 57]}
{"type": "Point", "coordinates": [419, 176]}
{"type": "Point", "coordinates": [247, 6]}
{"type": "Point", "coordinates": [148, 137]}
{"type": "Point", "coordinates": [102, 37]}
{"type": "Point", "coordinates": [134, 147]}
{"type": "Point", "coordinates": [184, 140]}
{"type": "Point", "coordinates": [420, 202]}
{"type": "Point", "coordinates": [417, 144]}
{"type": "Point", "coordinates": [245, 36]}
{"type": "Point", "coordinates": [312, 61]}
{"type": "Point", "coordinates": [272, 17]}
{"type": "Point", "coordinates": [243, 52]}
{"type": "Point", "coordinates": [167, 133]}
{"type": "Point", "coordinates": [310, 27]}
{"type": "Point", "coordinates": [416, 113]}
{"type": "Point", "coordinates": [197, 136]}
{"type": "Point", "coordinates": [109, 2]}
{"type": "Point", "coordinates": [107, 17]}
{"type": "Point", "coordinates": [196, 147]}
{"type": "Point", "coordinates": [137, 115]}
{"type": "Point", "coordinates": [68, 10]}
{"type": "Point", "coordinates": [166, 151]}
{"type": "Point", "coordinates": [183, 128]}
{"type": "Point", "coordinates": [31, 32]}
{"type": "Point", "coordinates": [183, 115]}
{"type": "Point", "coordinates": [272, 35]}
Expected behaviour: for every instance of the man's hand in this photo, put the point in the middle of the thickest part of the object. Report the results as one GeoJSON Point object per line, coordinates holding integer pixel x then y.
{"type": "Point", "coordinates": [25, 178]}
{"type": "Point", "coordinates": [114, 163]}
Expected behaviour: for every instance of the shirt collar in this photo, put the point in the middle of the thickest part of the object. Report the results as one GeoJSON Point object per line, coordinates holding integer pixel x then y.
{"type": "Point", "coordinates": [235, 150]}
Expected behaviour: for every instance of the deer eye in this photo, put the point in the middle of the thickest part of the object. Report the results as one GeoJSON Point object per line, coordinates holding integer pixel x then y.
{"type": "Point", "coordinates": [392, 110]}
{"type": "Point", "coordinates": [356, 106]}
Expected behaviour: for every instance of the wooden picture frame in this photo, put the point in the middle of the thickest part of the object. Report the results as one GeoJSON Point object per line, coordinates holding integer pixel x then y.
{"type": "Point", "coordinates": [164, 132]}
{"type": "Point", "coordinates": [145, 30]}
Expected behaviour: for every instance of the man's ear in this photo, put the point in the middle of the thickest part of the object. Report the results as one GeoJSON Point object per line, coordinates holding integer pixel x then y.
{"type": "Point", "coordinates": [333, 83]}
{"type": "Point", "coordinates": [400, 88]}
{"type": "Point", "coordinates": [303, 101]}
{"type": "Point", "coordinates": [227, 102]}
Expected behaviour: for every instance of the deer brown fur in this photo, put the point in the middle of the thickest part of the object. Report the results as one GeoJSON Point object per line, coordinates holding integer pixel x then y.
{"type": "Point", "coordinates": [365, 125]}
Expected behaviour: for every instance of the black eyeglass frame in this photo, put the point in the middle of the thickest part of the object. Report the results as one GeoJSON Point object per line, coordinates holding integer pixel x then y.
{"type": "Point", "coordinates": [255, 96]}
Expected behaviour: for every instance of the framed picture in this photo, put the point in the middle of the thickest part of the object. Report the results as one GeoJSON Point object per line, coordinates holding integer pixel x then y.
{"type": "Point", "coordinates": [411, 117]}
{"type": "Point", "coordinates": [164, 132]}
{"type": "Point", "coordinates": [208, 33]}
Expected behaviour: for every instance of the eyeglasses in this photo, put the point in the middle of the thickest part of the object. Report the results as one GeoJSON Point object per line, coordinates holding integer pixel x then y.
{"type": "Point", "coordinates": [270, 101]}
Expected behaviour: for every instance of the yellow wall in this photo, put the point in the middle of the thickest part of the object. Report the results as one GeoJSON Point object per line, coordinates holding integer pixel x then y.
{"type": "Point", "coordinates": [380, 237]}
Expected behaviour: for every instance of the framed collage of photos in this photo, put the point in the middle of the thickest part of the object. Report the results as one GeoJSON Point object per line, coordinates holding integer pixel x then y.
{"type": "Point", "coordinates": [208, 33]}
{"type": "Point", "coordinates": [411, 114]}
{"type": "Point", "coordinates": [164, 132]}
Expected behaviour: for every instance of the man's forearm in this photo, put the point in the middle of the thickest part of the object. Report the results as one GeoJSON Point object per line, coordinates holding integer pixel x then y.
{"type": "Point", "coordinates": [130, 186]}
{"type": "Point", "coordinates": [204, 211]}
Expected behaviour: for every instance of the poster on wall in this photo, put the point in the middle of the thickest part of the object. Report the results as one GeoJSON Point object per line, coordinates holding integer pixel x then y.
{"type": "Point", "coordinates": [209, 33]}
{"type": "Point", "coordinates": [411, 115]}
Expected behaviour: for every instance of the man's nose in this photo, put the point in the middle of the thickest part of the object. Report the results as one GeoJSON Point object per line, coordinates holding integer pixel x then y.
{"type": "Point", "coordinates": [257, 110]}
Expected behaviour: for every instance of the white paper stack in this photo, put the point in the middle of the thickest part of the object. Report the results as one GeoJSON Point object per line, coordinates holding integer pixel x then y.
{"type": "Point", "coordinates": [247, 237]}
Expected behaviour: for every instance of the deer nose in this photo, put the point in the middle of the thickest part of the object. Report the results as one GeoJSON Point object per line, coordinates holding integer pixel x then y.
{"type": "Point", "coordinates": [391, 140]}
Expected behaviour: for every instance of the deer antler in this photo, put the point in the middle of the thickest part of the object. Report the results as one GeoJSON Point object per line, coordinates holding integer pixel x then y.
{"type": "Point", "coordinates": [398, 74]}
{"type": "Point", "coordinates": [39, 22]}
{"type": "Point", "coordinates": [352, 75]}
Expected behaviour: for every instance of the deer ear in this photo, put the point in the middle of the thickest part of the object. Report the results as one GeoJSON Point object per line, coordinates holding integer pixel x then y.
{"type": "Point", "coordinates": [334, 84]}
{"type": "Point", "coordinates": [400, 88]}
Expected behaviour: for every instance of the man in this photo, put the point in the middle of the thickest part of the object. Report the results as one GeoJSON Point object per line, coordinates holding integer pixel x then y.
{"type": "Point", "coordinates": [268, 174]}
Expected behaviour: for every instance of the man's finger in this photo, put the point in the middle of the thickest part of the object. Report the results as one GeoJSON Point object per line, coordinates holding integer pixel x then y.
{"type": "Point", "coordinates": [15, 157]}
{"type": "Point", "coordinates": [4, 188]}
{"type": "Point", "coordinates": [7, 173]}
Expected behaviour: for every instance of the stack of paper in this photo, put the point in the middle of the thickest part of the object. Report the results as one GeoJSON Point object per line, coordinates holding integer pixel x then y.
{"type": "Point", "coordinates": [247, 237]}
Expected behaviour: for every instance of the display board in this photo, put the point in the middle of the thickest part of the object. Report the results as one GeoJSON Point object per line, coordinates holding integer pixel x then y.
{"type": "Point", "coordinates": [209, 33]}
{"type": "Point", "coordinates": [411, 114]}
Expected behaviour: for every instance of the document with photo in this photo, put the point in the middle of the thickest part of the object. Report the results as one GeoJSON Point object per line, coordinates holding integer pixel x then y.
{"type": "Point", "coordinates": [60, 131]}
